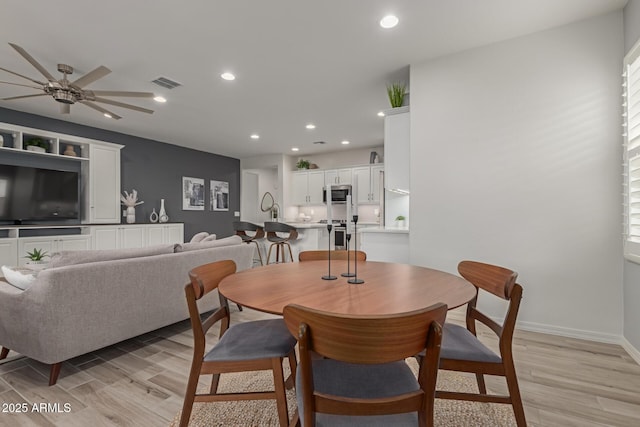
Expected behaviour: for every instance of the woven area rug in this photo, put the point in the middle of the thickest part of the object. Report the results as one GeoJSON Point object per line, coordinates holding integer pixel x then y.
{"type": "Point", "coordinates": [262, 413]}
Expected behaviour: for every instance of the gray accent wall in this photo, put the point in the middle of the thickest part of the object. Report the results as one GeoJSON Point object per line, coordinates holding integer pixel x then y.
{"type": "Point", "coordinates": [155, 169]}
{"type": "Point", "coordinates": [631, 296]}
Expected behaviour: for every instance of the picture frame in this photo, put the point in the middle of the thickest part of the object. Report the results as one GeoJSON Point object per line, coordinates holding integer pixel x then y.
{"type": "Point", "coordinates": [219, 197]}
{"type": "Point", "coordinates": [193, 192]}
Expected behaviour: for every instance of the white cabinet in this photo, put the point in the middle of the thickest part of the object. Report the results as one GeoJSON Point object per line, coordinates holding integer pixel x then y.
{"type": "Point", "coordinates": [104, 183]}
{"type": "Point", "coordinates": [52, 244]}
{"type": "Point", "coordinates": [366, 181]}
{"type": "Point", "coordinates": [136, 235]}
{"type": "Point", "coordinates": [8, 252]}
{"type": "Point", "coordinates": [307, 188]}
{"type": "Point", "coordinates": [396, 150]}
{"type": "Point", "coordinates": [338, 177]}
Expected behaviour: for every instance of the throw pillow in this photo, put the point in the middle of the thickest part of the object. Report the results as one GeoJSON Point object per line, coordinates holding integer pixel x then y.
{"type": "Point", "coordinates": [210, 238]}
{"type": "Point", "coordinates": [198, 237]}
{"type": "Point", "coordinates": [21, 279]}
{"type": "Point", "coordinates": [227, 241]}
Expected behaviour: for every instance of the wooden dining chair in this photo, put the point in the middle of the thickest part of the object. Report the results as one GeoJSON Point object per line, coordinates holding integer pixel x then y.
{"type": "Point", "coordinates": [463, 351]}
{"type": "Point", "coordinates": [339, 255]}
{"type": "Point", "coordinates": [352, 368]}
{"type": "Point", "coordinates": [249, 346]}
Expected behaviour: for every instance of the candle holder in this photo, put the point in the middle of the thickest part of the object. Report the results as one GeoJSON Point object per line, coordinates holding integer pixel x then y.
{"type": "Point", "coordinates": [355, 280]}
{"type": "Point", "coordinates": [348, 273]}
{"type": "Point", "coordinates": [329, 276]}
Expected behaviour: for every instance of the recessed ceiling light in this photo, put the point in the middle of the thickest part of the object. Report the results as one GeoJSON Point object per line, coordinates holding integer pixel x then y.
{"type": "Point", "coordinates": [380, 113]}
{"type": "Point", "coordinates": [161, 99]}
{"type": "Point", "coordinates": [228, 76]}
{"type": "Point", "coordinates": [255, 136]}
{"type": "Point", "coordinates": [311, 126]}
{"type": "Point", "coordinates": [345, 142]}
{"type": "Point", "coordinates": [108, 116]}
{"type": "Point", "coordinates": [389, 21]}
{"type": "Point", "coordinates": [295, 149]}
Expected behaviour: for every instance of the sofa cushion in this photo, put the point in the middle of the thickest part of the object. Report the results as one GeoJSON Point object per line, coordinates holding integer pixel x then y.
{"type": "Point", "coordinates": [198, 237]}
{"type": "Point", "coordinates": [227, 241]}
{"type": "Point", "coordinates": [63, 258]}
{"type": "Point", "coordinates": [210, 238]}
{"type": "Point", "coordinates": [20, 278]}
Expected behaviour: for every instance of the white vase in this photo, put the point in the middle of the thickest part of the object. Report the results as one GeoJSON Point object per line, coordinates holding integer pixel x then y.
{"type": "Point", "coordinates": [163, 213]}
{"type": "Point", "coordinates": [131, 215]}
{"type": "Point", "coordinates": [154, 216]}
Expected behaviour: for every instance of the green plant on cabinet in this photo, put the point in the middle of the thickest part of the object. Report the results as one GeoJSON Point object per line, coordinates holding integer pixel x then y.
{"type": "Point", "coordinates": [396, 93]}
{"type": "Point", "coordinates": [36, 255]}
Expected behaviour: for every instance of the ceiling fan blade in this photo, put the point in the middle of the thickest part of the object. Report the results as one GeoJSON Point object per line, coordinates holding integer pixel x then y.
{"type": "Point", "coordinates": [123, 93]}
{"type": "Point", "coordinates": [24, 96]}
{"type": "Point", "coordinates": [123, 105]}
{"type": "Point", "coordinates": [91, 76]}
{"type": "Point", "coordinates": [33, 62]}
{"type": "Point", "coordinates": [99, 108]}
{"type": "Point", "coordinates": [65, 108]}
{"type": "Point", "coordinates": [18, 84]}
{"type": "Point", "coordinates": [20, 75]}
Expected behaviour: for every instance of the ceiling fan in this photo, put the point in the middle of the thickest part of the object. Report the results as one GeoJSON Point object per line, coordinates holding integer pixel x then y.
{"type": "Point", "coordinates": [67, 93]}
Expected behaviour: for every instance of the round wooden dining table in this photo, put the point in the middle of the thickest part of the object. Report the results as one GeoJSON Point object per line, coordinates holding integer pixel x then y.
{"type": "Point", "coordinates": [388, 288]}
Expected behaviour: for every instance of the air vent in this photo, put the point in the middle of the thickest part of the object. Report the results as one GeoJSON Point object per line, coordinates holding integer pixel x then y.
{"type": "Point", "coordinates": [319, 142]}
{"type": "Point", "coordinates": [166, 83]}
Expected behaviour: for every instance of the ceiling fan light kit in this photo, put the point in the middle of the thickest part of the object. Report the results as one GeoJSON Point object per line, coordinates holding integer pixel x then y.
{"type": "Point", "coordinates": [68, 93]}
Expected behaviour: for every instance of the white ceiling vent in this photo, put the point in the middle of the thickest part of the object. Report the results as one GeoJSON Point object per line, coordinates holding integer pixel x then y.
{"type": "Point", "coordinates": [319, 142]}
{"type": "Point", "coordinates": [166, 83]}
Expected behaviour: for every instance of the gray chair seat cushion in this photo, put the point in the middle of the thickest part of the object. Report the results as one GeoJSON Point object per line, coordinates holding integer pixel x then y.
{"type": "Point", "coordinates": [460, 344]}
{"type": "Point", "coordinates": [361, 381]}
{"type": "Point", "coordinates": [253, 340]}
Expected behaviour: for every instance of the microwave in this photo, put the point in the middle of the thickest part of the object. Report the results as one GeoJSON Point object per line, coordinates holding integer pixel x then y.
{"type": "Point", "coordinates": [339, 193]}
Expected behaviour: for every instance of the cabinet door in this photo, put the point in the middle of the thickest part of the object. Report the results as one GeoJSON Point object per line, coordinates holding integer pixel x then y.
{"type": "Point", "coordinates": [155, 235]}
{"type": "Point", "coordinates": [73, 243]}
{"type": "Point", "coordinates": [104, 184]}
{"type": "Point", "coordinates": [331, 177]}
{"type": "Point", "coordinates": [132, 237]}
{"type": "Point", "coordinates": [344, 176]}
{"type": "Point", "coordinates": [299, 188]}
{"type": "Point", "coordinates": [106, 237]}
{"type": "Point", "coordinates": [362, 175]}
{"type": "Point", "coordinates": [375, 183]}
{"type": "Point", "coordinates": [8, 252]}
{"type": "Point", "coordinates": [174, 233]}
{"type": "Point", "coordinates": [28, 244]}
{"type": "Point", "coordinates": [315, 187]}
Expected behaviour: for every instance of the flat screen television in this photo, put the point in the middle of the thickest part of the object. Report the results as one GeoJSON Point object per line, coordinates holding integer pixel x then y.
{"type": "Point", "coordinates": [37, 195]}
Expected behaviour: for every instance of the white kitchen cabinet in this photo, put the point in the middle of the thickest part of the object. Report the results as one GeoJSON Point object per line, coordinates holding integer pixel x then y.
{"type": "Point", "coordinates": [52, 244]}
{"type": "Point", "coordinates": [104, 183]}
{"type": "Point", "coordinates": [338, 176]}
{"type": "Point", "coordinates": [368, 183]}
{"type": "Point", "coordinates": [307, 188]}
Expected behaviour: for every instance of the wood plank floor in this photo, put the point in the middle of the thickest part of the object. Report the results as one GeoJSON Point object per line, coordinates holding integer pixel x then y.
{"type": "Point", "coordinates": [140, 382]}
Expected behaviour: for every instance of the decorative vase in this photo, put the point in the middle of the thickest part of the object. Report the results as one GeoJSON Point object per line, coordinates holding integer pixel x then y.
{"type": "Point", "coordinates": [69, 151]}
{"type": "Point", "coordinates": [154, 216]}
{"type": "Point", "coordinates": [163, 213]}
{"type": "Point", "coordinates": [131, 215]}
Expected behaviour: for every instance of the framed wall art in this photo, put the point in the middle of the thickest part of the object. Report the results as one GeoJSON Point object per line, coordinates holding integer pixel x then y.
{"type": "Point", "coordinates": [192, 194]}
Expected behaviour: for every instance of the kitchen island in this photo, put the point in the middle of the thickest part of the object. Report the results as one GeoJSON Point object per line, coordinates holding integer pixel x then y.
{"type": "Point", "coordinates": [390, 244]}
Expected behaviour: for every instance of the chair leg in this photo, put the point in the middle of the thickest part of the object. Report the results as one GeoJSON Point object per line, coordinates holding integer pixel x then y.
{"type": "Point", "coordinates": [290, 253]}
{"type": "Point", "coordinates": [259, 254]}
{"type": "Point", "coordinates": [281, 396]}
{"type": "Point", "coordinates": [514, 393]}
{"type": "Point", "coordinates": [190, 395]}
{"type": "Point", "coordinates": [293, 366]}
{"type": "Point", "coordinates": [269, 253]}
{"type": "Point", "coordinates": [278, 246]}
{"type": "Point", "coordinates": [4, 353]}
{"type": "Point", "coordinates": [55, 371]}
{"type": "Point", "coordinates": [215, 380]}
{"type": "Point", "coordinates": [481, 385]}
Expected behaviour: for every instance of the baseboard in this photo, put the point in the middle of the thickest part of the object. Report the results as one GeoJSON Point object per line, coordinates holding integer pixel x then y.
{"type": "Point", "coordinates": [633, 352]}
{"type": "Point", "coordinates": [570, 332]}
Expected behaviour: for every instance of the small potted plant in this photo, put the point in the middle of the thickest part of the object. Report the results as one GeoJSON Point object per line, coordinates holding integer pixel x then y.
{"type": "Point", "coordinates": [36, 144]}
{"type": "Point", "coordinates": [396, 93]}
{"type": "Point", "coordinates": [400, 220]}
{"type": "Point", "coordinates": [36, 258]}
{"type": "Point", "coordinates": [302, 164]}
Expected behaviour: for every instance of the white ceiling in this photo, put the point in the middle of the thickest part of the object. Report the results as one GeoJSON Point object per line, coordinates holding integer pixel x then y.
{"type": "Point", "coordinates": [296, 61]}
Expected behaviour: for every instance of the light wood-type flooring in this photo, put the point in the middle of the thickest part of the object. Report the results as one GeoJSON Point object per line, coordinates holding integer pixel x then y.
{"type": "Point", "coordinates": [140, 382]}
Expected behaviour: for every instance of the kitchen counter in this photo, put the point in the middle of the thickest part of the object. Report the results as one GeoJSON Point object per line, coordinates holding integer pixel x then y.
{"type": "Point", "coordinates": [398, 230]}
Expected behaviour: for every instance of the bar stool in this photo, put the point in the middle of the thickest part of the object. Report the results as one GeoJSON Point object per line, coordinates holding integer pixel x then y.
{"type": "Point", "coordinates": [241, 228]}
{"type": "Point", "coordinates": [272, 228]}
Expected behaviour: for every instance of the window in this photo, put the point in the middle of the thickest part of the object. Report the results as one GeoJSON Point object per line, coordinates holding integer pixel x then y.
{"type": "Point", "coordinates": [631, 134]}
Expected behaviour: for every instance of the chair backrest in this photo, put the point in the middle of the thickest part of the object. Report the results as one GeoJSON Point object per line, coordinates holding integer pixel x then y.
{"type": "Point", "coordinates": [501, 282]}
{"type": "Point", "coordinates": [241, 227]}
{"type": "Point", "coordinates": [205, 279]}
{"type": "Point", "coordinates": [366, 340]}
{"type": "Point", "coordinates": [272, 227]}
{"type": "Point", "coordinates": [339, 255]}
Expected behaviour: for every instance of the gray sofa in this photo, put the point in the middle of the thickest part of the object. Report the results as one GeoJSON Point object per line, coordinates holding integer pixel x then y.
{"type": "Point", "coordinates": [88, 300]}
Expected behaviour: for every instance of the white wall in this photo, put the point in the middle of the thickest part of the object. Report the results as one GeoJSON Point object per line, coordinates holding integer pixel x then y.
{"type": "Point", "coordinates": [517, 150]}
{"type": "Point", "coordinates": [632, 270]}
